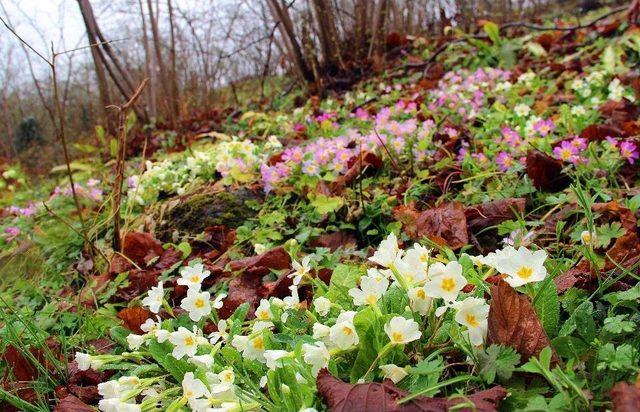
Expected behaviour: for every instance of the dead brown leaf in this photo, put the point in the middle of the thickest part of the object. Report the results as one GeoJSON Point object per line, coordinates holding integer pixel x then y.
{"type": "Point", "coordinates": [372, 397]}
{"type": "Point", "coordinates": [546, 172]}
{"type": "Point", "coordinates": [513, 322]}
{"type": "Point", "coordinates": [625, 397]}
{"type": "Point", "coordinates": [492, 213]}
{"type": "Point", "coordinates": [134, 317]}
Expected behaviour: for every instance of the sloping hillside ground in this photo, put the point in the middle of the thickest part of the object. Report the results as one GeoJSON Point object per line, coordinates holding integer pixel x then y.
{"type": "Point", "coordinates": [458, 233]}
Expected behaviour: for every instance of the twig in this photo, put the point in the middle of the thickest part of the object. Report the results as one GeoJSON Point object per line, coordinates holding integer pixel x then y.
{"type": "Point", "coordinates": [122, 147]}
{"type": "Point", "coordinates": [393, 161]}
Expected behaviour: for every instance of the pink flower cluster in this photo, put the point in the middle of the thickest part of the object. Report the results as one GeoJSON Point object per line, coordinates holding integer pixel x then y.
{"type": "Point", "coordinates": [30, 210]}
{"type": "Point", "coordinates": [570, 150]}
{"type": "Point", "coordinates": [89, 191]}
{"type": "Point", "coordinates": [466, 92]}
{"type": "Point", "coordinates": [628, 150]}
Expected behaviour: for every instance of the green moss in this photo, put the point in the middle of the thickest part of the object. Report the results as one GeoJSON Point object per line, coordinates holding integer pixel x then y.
{"type": "Point", "coordinates": [196, 212]}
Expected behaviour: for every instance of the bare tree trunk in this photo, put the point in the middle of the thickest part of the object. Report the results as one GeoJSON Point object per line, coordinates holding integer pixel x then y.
{"type": "Point", "coordinates": [360, 9]}
{"type": "Point", "coordinates": [164, 78]}
{"type": "Point", "coordinates": [175, 91]}
{"type": "Point", "coordinates": [103, 86]}
{"type": "Point", "coordinates": [377, 35]}
{"type": "Point", "coordinates": [152, 97]}
{"type": "Point", "coordinates": [117, 73]}
{"type": "Point", "coordinates": [328, 34]}
{"type": "Point", "coordinates": [281, 14]}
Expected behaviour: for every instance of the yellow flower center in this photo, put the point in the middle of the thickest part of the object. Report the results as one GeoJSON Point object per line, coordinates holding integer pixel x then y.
{"type": "Point", "coordinates": [262, 315]}
{"type": "Point", "coordinates": [258, 343]}
{"type": "Point", "coordinates": [189, 394]}
{"type": "Point", "coordinates": [195, 279]}
{"type": "Point", "coordinates": [420, 294]}
{"type": "Point", "coordinates": [371, 299]}
{"type": "Point", "coordinates": [199, 303]}
{"type": "Point", "coordinates": [448, 284]}
{"type": "Point", "coordinates": [397, 337]}
{"type": "Point", "coordinates": [566, 154]}
{"type": "Point", "coordinates": [189, 341]}
{"type": "Point", "coordinates": [525, 272]}
{"type": "Point", "coordinates": [347, 330]}
{"type": "Point", "coordinates": [471, 319]}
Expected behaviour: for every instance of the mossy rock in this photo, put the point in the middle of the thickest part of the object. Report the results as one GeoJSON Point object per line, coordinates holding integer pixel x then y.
{"type": "Point", "coordinates": [191, 214]}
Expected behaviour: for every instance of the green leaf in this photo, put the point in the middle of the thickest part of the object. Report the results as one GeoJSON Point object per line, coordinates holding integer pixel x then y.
{"type": "Point", "coordinates": [325, 204]}
{"type": "Point", "coordinates": [569, 346]}
{"type": "Point", "coordinates": [497, 360]}
{"type": "Point", "coordinates": [585, 324]}
{"type": "Point", "coordinates": [547, 306]}
{"type": "Point", "coordinates": [161, 353]}
{"type": "Point", "coordinates": [536, 49]}
{"type": "Point", "coordinates": [493, 31]}
{"type": "Point", "coordinates": [344, 277]}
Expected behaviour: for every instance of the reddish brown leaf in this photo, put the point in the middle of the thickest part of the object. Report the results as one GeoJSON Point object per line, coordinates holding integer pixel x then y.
{"type": "Point", "coordinates": [71, 403]}
{"type": "Point", "coordinates": [88, 394]}
{"type": "Point", "coordinates": [141, 247]}
{"type": "Point", "coordinates": [513, 322]}
{"type": "Point", "coordinates": [493, 213]}
{"type": "Point", "coordinates": [243, 288]}
{"type": "Point", "coordinates": [546, 172]}
{"type": "Point", "coordinates": [140, 281]}
{"type": "Point", "coordinates": [445, 224]}
{"type": "Point", "coordinates": [408, 216]}
{"type": "Point", "coordinates": [625, 397]}
{"type": "Point", "coordinates": [335, 240]}
{"type": "Point", "coordinates": [134, 317]}
{"type": "Point", "coordinates": [600, 132]}
{"type": "Point", "coordinates": [276, 258]}
{"type": "Point", "coordinates": [624, 252]}
{"type": "Point", "coordinates": [371, 397]}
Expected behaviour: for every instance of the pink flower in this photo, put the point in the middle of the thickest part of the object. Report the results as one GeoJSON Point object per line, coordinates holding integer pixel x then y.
{"type": "Point", "coordinates": [612, 141]}
{"type": "Point", "coordinates": [629, 151]}
{"type": "Point", "coordinates": [566, 152]}
{"type": "Point", "coordinates": [544, 127]}
{"type": "Point", "coordinates": [511, 137]}
{"type": "Point", "coordinates": [504, 161]}
{"type": "Point", "coordinates": [12, 233]}
{"type": "Point", "coordinates": [361, 114]}
{"type": "Point", "coordinates": [579, 143]}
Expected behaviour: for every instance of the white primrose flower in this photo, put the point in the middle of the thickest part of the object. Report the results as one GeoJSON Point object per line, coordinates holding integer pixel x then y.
{"type": "Point", "coordinates": [343, 334]}
{"type": "Point", "coordinates": [154, 298]}
{"type": "Point", "coordinates": [204, 361]}
{"type": "Point", "coordinates": [135, 341]}
{"type": "Point", "coordinates": [263, 311]}
{"type": "Point", "coordinates": [83, 360]}
{"type": "Point", "coordinates": [322, 305]}
{"type": "Point", "coordinates": [521, 110]}
{"type": "Point", "coordinates": [109, 389]}
{"type": "Point", "coordinates": [418, 256]}
{"type": "Point", "coordinates": [473, 313]}
{"type": "Point", "coordinates": [272, 357]}
{"type": "Point", "coordinates": [588, 238]}
{"type": "Point", "coordinates": [388, 252]}
{"type": "Point", "coordinates": [251, 348]}
{"type": "Point", "coordinates": [221, 333]}
{"type": "Point", "coordinates": [419, 301]}
{"type": "Point", "coordinates": [321, 331]}
{"type": "Point", "coordinates": [393, 372]}
{"type": "Point", "coordinates": [521, 266]}
{"type": "Point", "coordinates": [371, 289]}
{"type": "Point", "coordinates": [300, 269]}
{"type": "Point", "coordinates": [118, 405]}
{"type": "Point", "coordinates": [185, 342]}
{"type": "Point", "coordinates": [263, 381]}
{"type": "Point", "coordinates": [578, 110]}
{"type": "Point", "coordinates": [401, 330]}
{"type": "Point", "coordinates": [413, 274]}
{"type": "Point", "coordinates": [197, 304]}
{"type": "Point", "coordinates": [218, 302]}
{"type": "Point", "coordinates": [445, 281]}
{"type": "Point", "coordinates": [155, 329]}
{"type": "Point", "coordinates": [192, 276]}
{"type": "Point", "coordinates": [316, 355]}
{"type": "Point", "coordinates": [193, 388]}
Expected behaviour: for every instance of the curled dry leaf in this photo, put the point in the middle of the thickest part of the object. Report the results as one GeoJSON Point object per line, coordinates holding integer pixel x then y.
{"type": "Point", "coordinates": [546, 172]}
{"type": "Point", "coordinates": [625, 397]}
{"type": "Point", "coordinates": [276, 258]}
{"type": "Point", "coordinates": [613, 210]}
{"type": "Point", "coordinates": [335, 240]}
{"type": "Point", "coordinates": [492, 213]}
{"type": "Point", "coordinates": [372, 397]}
{"type": "Point", "coordinates": [141, 247]}
{"type": "Point", "coordinates": [445, 224]}
{"type": "Point", "coordinates": [513, 322]}
{"type": "Point", "coordinates": [134, 317]}
{"type": "Point", "coordinates": [71, 403]}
